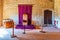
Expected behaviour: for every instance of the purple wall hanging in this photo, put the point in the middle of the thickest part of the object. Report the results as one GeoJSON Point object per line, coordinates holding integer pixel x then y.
{"type": "Point", "coordinates": [25, 8]}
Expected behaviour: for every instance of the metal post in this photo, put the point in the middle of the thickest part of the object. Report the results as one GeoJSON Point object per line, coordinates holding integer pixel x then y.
{"type": "Point", "coordinates": [24, 29]}
{"type": "Point", "coordinates": [13, 36]}
{"type": "Point", "coordinates": [42, 31]}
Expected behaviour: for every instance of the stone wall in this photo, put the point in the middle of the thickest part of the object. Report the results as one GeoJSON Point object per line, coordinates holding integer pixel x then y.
{"type": "Point", "coordinates": [1, 12]}
{"type": "Point", "coordinates": [10, 9]}
{"type": "Point", "coordinates": [57, 12]}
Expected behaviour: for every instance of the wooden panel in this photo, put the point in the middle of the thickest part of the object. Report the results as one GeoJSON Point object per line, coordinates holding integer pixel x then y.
{"type": "Point", "coordinates": [47, 17]}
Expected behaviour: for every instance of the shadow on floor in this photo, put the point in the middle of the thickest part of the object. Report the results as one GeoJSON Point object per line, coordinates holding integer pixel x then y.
{"type": "Point", "coordinates": [20, 38]}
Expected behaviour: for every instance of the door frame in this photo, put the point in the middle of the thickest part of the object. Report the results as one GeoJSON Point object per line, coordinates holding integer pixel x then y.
{"type": "Point", "coordinates": [47, 17]}
{"type": "Point", "coordinates": [53, 15]}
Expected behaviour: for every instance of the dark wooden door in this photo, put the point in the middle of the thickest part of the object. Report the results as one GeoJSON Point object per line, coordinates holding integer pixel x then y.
{"type": "Point", "coordinates": [47, 17]}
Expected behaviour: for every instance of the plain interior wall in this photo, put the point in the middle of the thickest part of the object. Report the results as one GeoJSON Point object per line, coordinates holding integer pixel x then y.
{"type": "Point", "coordinates": [57, 12]}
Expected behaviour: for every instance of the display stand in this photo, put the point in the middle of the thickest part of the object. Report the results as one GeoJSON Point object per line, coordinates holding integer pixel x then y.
{"type": "Point", "coordinates": [24, 29]}
{"type": "Point", "coordinates": [13, 35]}
{"type": "Point", "coordinates": [42, 31]}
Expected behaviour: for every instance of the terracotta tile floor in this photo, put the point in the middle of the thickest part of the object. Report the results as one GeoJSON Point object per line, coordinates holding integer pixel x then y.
{"type": "Point", "coordinates": [51, 34]}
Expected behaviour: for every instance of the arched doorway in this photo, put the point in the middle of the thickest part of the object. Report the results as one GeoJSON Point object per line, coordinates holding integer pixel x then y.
{"type": "Point", "coordinates": [47, 17]}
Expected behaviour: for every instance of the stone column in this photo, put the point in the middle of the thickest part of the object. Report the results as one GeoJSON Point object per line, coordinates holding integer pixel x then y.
{"type": "Point", "coordinates": [1, 12]}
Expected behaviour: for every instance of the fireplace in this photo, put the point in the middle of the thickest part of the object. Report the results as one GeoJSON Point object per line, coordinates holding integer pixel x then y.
{"type": "Point", "coordinates": [25, 16]}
